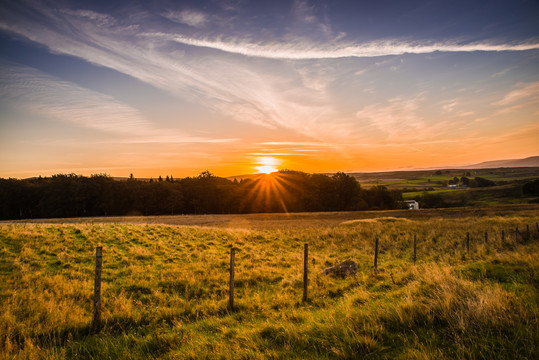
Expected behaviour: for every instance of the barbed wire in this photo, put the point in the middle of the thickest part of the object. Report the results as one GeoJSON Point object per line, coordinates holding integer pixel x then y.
{"type": "Point", "coordinates": [240, 253]}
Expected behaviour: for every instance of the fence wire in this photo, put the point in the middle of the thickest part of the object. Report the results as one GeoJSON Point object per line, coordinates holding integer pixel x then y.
{"type": "Point", "coordinates": [241, 256]}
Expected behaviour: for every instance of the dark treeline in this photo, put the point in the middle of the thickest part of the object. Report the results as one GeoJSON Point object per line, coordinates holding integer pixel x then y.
{"type": "Point", "coordinates": [100, 195]}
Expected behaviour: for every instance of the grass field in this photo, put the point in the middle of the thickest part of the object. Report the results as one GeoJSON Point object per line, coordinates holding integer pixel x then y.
{"type": "Point", "coordinates": [165, 286]}
{"type": "Point", "coordinates": [415, 184]}
{"type": "Point", "coordinates": [429, 178]}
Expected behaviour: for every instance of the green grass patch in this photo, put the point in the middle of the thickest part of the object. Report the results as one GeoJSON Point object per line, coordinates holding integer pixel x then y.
{"type": "Point", "coordinates": [165, 288]}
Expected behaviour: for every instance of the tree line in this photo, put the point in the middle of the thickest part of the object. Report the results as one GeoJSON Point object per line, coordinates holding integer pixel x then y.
{"type": "Point", "coordinates": [70, 195]}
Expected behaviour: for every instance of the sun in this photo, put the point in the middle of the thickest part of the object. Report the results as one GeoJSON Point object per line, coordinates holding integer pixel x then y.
{"type": "Point", "coordinates": [267, 165]}
{"type": "Point", "coordinates": [266, 169]}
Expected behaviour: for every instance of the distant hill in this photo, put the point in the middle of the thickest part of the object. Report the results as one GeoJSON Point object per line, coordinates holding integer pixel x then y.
{"type": "Point", "coordinates": [532, 161]}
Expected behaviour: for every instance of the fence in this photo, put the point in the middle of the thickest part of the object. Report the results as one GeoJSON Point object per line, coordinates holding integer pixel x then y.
{"type": "Point", "coordinates": [96, 323]}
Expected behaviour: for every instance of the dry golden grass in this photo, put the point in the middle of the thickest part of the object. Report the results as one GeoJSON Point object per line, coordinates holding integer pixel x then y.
{"type": "Point", "coordinates": [165, 289]}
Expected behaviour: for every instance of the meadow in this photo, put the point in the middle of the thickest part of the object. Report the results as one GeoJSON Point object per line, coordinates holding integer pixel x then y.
{"type": "Point", "coordinates": [165, 286]}
{"type": "Point", "coordinates": [423, 179]}
{"type": "Point", "coordinates": [415, 184]}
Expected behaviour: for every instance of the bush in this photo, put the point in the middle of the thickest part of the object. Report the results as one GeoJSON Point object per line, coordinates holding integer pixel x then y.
{"type": "Point", "coordinates": [482, 182]}
{"type": "Point", "coordinates": [531, 188]}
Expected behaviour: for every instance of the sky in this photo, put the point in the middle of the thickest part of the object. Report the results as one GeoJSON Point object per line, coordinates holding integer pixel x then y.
{"type": "Point", "coordinates": [237, 87]}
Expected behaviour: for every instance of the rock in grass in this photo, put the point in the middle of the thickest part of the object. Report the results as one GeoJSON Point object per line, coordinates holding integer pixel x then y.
{"type": "Point", "coordinates": [344, 269]}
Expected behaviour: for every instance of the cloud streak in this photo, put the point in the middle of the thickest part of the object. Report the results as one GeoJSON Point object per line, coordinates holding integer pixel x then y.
{"type": "Point", "coordinates": [300, 51]}
{"type": "Point", "coordinates": [45, 95]}
{"type": "Point", "coordinates": [188, 17]}
{"type": "Point", "coordinates": [396, 118]}
{"type": "Point", "coordinates": [524, 92]}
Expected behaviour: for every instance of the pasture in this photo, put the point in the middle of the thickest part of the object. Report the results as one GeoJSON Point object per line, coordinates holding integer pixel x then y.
{"type": "Point", "coordinates": [165, 286]}
{"type": "Point", "coordinates": [423, 179]}
{"type": "Point", "coordinates": [415, 184]}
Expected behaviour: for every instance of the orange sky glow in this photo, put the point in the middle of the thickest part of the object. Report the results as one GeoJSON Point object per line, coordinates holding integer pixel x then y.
{"type": "Point", "coordinates": [178, 89]}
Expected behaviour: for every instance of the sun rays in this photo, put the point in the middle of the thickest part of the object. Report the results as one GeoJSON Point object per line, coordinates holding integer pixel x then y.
{"type": "Point", "coordinates": [272, 192]}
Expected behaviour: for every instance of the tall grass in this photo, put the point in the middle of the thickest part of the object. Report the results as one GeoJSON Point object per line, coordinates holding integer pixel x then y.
{"type": "Point", "coordinates": [165, 291]}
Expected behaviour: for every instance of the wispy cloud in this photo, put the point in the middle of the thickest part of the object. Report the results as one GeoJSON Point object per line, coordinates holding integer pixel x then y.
{"type": "Point", "coordinates": [524, 92]}
{"type": "Point", "coordinates": [64, 101]}
{"type": "Point", "coordinates": [193, 18]}
{"type": "Point", "coordinates": [230, 86]}
{"type": "Point", "coordinates": [502, 73]}
{"type": "Point", "coordinates": [296, 144]}
{"type": "Point", "coordinates": [98, 18]}
{"type": "Point", "coordinates": [397, 118]}
{"type": "Point", "coordinates": [301, 51]}
{"type": "Point", "coordinates": [454, 107]}
{"type": "Point", "coordinates": [449, 106]}
{"type": "Point", "coordinates": [522, 96]}
{"type": "Point", "coordinates": [304, 12]}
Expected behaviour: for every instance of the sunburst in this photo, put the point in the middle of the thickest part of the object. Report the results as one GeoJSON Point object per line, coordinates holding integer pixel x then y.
{"type": "Point", "coordinates": [271, 191]}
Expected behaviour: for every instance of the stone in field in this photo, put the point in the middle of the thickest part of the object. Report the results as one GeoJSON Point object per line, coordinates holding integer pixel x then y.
{"type": "Point", "coordinates": [345, 268]}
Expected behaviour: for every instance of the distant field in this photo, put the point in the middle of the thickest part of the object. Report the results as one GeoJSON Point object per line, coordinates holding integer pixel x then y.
{"type": "Point", "coordinates": [415, 184]}
{"type": "Point", "coordinates": [429, 178]}
{"type": "Point", "coordinates": [165, 286]}
{"type": "Point", "coordinates": [292, 220]}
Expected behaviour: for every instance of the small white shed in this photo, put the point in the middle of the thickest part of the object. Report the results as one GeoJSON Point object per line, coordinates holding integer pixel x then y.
{"type": "Point", "coordinates": [412, 204]}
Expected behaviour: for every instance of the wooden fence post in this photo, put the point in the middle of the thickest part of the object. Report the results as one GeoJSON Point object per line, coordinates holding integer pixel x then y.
{"type": "Point", "coordinates": [305, 271]}
{"type": "Point", "coordinates": [528, 229]}
{"type": "Point", "coordinates": [376, 255]}
{"type": "Point", "coordinates": [516, 234]}
{"type": "Point", "coordinates": [415, 248]}
{"type": "Point", "coordinates": [468, 242]}
{"type": "Point", "coordinates": [503, 237]}
{"type": "Point", "coordinates": [537, 226]}
{"type": "Point", "coordinates": [486, 241]}
{"type": "Point", "coordinates": [97, 287]}
{"type": "Point", "coordinates": [231, 294]}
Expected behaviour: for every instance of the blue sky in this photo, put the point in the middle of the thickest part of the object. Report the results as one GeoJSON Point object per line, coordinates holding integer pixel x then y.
{"type": "Point", "coordinates": [177, 87]}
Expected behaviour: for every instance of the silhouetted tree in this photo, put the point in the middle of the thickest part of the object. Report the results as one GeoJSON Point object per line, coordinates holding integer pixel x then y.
{"type": "Point", "coordinates": [73, 195]}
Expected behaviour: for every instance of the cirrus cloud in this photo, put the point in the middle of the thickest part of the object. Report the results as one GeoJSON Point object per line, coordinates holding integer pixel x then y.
{"type": "Point", "coordinates": [301, 51]}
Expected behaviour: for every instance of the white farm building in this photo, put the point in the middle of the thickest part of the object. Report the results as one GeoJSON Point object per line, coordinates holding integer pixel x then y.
{"type": "Point", "coordinates": [412, 204]}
